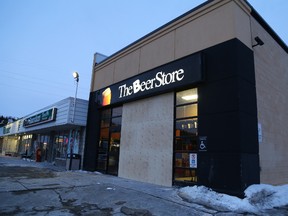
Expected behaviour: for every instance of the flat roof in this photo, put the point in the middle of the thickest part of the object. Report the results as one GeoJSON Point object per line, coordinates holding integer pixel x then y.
{"type": "Point", "coordinates": [253, 13]}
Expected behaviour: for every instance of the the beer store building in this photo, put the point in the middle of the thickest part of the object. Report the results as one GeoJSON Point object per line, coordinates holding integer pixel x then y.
{"type": "Point", "coordinates": [201, 100]}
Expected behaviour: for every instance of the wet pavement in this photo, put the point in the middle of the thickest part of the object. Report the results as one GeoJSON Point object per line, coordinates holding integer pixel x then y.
{"type": "Point", "coordinates": [29, 188]}
{"type": "Point", "coordinates": [25, 172]}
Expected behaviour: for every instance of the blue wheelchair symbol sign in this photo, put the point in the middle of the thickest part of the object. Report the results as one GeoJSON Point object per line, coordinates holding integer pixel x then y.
{"type": "Point", "coordinates": [203, 143]}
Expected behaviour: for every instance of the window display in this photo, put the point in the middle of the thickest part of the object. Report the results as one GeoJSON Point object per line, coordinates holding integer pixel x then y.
{"type": "Point", "coordinates": [61, 144]}
{"type": "Point", "coordinates": [186, 136]}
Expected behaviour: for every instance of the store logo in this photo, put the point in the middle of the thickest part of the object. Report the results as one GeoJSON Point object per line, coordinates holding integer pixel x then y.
{"type": "Point", "coordinates": [46, 116]}
{"type": "Point", "coordinates": [106, 97]}
{"type": "Point", "coordinates": [160, 79]}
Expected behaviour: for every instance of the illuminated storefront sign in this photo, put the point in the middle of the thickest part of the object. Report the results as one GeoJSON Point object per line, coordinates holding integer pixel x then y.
{"type": "Point", "coordinates": [159, 80]}
{"type": "Point", "coordinates": [41, 118]}
{"type": "Point", "coordinates": [176, 74]}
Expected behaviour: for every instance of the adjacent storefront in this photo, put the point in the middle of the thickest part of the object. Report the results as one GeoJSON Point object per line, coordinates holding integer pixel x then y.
{"type": "Point", "coordinates": [48, 133]}
{"type": "Point", "coordinates": [182, 105]}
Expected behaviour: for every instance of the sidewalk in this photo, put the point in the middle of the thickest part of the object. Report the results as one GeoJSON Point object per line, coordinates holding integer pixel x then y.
{"type": "Point", "coordinates": [30, 188]}
{"type": "Point", "coordinates": [84, 193]}
{"type": "Point", "coordinates": [17, 161]}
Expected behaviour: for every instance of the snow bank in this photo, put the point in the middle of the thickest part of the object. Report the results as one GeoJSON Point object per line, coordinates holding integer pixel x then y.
{"type": "Point", "coordinates": [257, 198]}
{"type": "Point", "coordinates": [265, 196]}
{"type": "Point", "coordinates": [88, 172]}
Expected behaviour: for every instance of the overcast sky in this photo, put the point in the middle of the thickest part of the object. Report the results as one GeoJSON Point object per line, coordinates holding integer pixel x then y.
{"type": "Point", "coordinates": [43, 41]}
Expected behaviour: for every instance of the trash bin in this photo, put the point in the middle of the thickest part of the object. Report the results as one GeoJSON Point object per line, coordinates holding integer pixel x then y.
{"type": "Point", "coordinates": [75, 163]}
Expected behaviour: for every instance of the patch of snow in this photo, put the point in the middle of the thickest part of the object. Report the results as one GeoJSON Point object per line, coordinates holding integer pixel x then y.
{"type": "Point", "coordinates": [257, 197]}
{"type": "Point", "coordinates": [88, 172]}
{"type": "Point", "coordinates": [109, 188]}
{"type": "Point", "coordinates": [267, 196]}
{"type": "Point", "coordinates": [97, 173]}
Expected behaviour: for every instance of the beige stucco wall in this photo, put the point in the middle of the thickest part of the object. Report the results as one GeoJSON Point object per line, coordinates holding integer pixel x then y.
{"type": "Point", "coordinates": [147, 140]}
{"type": "Point", "coordinates": [271, 65]}
{"type": "Point", "coordinates": [216, 22]}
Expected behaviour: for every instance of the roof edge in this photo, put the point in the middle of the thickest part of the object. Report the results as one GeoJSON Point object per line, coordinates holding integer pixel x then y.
{"type": "Point", "coordinates": [267, 27]}
{"type": "Point", "coordinates": [156, 30]}
{"type": "Point", "coordinates": [253, 13]}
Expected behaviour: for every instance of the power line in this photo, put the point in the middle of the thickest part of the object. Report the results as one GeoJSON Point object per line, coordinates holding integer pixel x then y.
{"type": "Point", "coordinates": [38, 81]}
{"type": "Point", "coordinates": [36, 91]}
{"type": "Point", "coordinates": [40, 67]}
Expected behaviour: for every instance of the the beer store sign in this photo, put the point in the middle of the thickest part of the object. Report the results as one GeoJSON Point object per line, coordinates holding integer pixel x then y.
{"type": "Point", "coordinates": [41, 118]}
{"type": "Point", "coordinates": [176, 74]}
{"type": "Point", "coordinates": [159, 80]}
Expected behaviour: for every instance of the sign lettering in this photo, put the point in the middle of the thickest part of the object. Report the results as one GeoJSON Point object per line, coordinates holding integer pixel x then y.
{"type": "Point", "coordinates": [46, 116]}
{"type": "Point", "coordinates": [177, 74]}
{"type": "Point", "coordinates": [159, 80]}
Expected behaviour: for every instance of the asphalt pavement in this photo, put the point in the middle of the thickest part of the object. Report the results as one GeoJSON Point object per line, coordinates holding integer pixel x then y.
{"type": "Point", "coordinates": [30, 188]}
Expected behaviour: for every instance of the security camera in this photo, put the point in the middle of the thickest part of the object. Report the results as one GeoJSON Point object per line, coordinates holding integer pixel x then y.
{"type": "Point", "coordinates": [259, 42]}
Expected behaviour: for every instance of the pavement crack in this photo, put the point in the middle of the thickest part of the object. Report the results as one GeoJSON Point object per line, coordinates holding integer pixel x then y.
{"type": "Point", "coordinates": [79, 209]}
{"type": "Point", "coordinates": [19, 182]}
{"type": "Point", "coordinates": [59, 196]}
{"type": "Point", "coordinates": [185, 204]}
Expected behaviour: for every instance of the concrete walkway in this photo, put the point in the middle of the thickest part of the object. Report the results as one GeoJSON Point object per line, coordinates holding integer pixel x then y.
{"type": "Point", "coordinates": [29, 188]}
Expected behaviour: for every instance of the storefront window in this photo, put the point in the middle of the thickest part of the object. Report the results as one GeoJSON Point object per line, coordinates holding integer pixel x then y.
{"type": "Point", "coordinates": [42, 143]}
{"type": "Point", "coordinates": [105, 118]}
{"type": "Point", "coordinates": [186, 132]}
{"type": "Point", "coordinates": [186, 97]}
{"type": "Point", "coordinates": [26, 144]}
{"type": "Point", "coordinates": [188, 110]}
{"type": "Point", "coordinates": [186, 127]}
{"type": "Point", "coordinates": [109, 143]}
{"type": "Point", "coordinates": [61, 143]}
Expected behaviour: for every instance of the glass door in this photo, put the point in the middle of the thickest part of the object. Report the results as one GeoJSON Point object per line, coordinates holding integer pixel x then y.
{"type": "Point", "coordinates": [103, 143]}
{"type": "Point", "coordinates": [113, 162]}
{"type": "Point", "coordinates": [109, 143]}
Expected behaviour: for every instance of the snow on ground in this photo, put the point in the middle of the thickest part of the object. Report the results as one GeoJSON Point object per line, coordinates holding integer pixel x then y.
{"type": "Point", "coordinates": [257, 197]}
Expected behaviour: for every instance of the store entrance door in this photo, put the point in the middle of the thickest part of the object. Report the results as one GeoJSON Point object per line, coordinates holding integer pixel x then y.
{"type": "Point", "coordinates": [109, 142]}
{"type": "Point", "coordinates": [113, 156]}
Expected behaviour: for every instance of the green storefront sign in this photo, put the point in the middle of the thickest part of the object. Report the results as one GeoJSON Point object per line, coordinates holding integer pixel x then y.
{"type": "Point", "coordinates": [44, 117]}
{"type": "Point", "coordinates": [6, 130]}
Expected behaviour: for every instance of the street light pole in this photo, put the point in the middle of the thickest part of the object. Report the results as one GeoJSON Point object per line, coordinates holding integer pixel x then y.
{"type": "Point", "coordinates": [76, 78]}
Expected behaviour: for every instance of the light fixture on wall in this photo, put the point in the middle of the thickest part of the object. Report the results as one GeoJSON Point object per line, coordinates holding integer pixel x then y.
{"type": "Point", "coordinates": [259, 42]}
